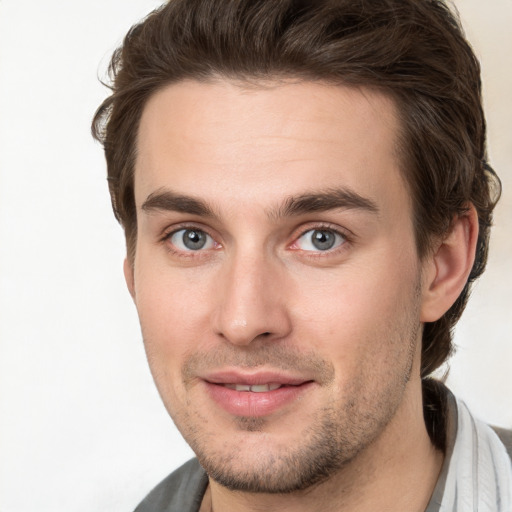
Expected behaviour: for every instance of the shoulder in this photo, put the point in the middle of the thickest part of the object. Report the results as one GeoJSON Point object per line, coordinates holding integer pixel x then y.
{"type": "Point", "coordinates": [505, 436]}
{"type": "Point", "coordinates": [181, 491]}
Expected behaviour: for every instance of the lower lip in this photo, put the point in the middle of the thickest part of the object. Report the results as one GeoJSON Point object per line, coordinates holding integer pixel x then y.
{"type": "Point", "coordinates": [251, 404]}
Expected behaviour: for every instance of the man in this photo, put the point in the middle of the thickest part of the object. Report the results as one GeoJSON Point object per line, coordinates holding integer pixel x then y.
{"type": "Point", "coordinates": [306, 202]}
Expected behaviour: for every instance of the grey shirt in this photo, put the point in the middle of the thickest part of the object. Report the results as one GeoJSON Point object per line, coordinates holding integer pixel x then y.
{"type": "Point", "coordinates": [181, 491]}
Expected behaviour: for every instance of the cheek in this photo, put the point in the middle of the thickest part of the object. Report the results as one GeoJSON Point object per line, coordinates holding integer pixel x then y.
{"type": "Point", "coordinates": [173, 316]}
{"type": "Point", "coordinates": [170, 302]}
{"type": "Point", "coordinates": [364, 317]}
{"type": "Point", "coordinates": [170, 332]}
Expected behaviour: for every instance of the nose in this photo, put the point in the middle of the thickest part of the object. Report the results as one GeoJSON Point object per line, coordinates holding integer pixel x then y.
{"type": "Point", "coordinates": [251, 301]}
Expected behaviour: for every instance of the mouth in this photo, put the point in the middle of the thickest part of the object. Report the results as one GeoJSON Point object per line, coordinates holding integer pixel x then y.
{"type": "Point", "coordinates": [255, 395]}
{"type": "Point", "coordinates": [258, 388]}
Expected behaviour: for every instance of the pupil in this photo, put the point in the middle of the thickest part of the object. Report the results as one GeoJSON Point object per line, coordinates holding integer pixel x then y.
{"type": "Point", "coordinates": [323, 240]}
{"type": "Point", "coordinates": [194, 239]}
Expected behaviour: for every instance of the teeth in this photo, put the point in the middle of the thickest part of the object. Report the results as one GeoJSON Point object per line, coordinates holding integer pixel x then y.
{"type": "Point", "coordinates": [260, 388]}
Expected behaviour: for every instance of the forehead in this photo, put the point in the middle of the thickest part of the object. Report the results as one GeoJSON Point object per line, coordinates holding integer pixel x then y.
{"type": "Point", "coordinates": [230, 143]}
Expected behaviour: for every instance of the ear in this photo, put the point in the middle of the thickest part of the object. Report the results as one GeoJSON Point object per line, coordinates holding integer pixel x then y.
{"type": "Point", "coordinates": [128, 277]}
{"type": "Point", "coordinates": [446, 271]}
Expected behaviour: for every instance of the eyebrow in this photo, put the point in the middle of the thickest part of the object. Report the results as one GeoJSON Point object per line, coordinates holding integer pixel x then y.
{"type": "Point", "coordinates": [166, 200]}
{"type": "Point", "coordinates": [331, 199]}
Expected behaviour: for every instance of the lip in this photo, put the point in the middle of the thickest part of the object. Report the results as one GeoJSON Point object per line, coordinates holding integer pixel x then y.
{"type": "Point", "coordinates": [254, 378]}
{"type": "Point", "coordinates": [255, 404]}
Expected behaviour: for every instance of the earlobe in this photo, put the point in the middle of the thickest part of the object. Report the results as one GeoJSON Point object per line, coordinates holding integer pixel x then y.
{"type": "Point", "coordinates": [446, 271]}
{"type": "Point", "coordinates": [129, 278]}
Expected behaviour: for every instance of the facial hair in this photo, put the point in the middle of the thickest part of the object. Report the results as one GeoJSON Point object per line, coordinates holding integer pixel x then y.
{"type": "Point", "coordinates": [336, 433]}
{"type": "Point", "coordinates": [350, 420]}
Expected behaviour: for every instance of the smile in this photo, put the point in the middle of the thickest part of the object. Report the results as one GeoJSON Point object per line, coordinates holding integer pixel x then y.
{"type": "Point", "coordinates": [255, 395]}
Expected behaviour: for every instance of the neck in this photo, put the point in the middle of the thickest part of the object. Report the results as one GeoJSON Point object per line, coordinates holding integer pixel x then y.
{"type": "Point", "coordinates": [398, 471]}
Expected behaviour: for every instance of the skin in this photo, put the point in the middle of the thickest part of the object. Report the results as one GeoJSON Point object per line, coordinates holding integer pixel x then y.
{"type": "Point", "coordinates": [224, 159]}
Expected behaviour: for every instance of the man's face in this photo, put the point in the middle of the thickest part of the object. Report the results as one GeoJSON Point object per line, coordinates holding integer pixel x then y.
{"type": "Point", "coordinates": [276, 277]}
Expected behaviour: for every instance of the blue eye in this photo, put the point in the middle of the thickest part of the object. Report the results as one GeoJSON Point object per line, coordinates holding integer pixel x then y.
{"type": "Point", "coordinates": [320, 240]}
{"type": "Point", "coordinates": [191, 240]}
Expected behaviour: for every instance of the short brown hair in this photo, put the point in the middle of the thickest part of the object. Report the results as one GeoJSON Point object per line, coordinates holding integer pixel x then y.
{"type": "Point", "coordinates": [414, 50]}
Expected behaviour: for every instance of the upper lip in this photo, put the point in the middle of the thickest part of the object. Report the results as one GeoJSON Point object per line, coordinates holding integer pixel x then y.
{"type": "Point", "coordinates": [254, 378]}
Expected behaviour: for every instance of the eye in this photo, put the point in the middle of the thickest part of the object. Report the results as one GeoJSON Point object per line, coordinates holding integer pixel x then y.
{"type": "Point", "coordinates": [191, 240]}
{"type": "Point", "coordinates": [319, 240]}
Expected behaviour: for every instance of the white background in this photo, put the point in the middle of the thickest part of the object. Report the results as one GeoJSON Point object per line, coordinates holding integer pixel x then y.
{"type": "Point", "coordinates": [81, 425]}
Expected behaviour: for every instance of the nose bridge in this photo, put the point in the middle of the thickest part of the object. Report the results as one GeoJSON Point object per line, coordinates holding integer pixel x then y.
{"type": "Point", "coordinates": [251, 298]}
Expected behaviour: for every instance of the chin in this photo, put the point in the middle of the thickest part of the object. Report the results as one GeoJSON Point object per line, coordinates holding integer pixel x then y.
{"type": "Point", "coordinates": [254, 459]}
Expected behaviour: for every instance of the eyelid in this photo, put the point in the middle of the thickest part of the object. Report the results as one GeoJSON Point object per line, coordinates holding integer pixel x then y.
{"type": "Point", "coordinates": [346, 234]}
{"type": "Point", "coordinates": [170, 231]}
{"type": "Point", "coordinates": [209, 242]}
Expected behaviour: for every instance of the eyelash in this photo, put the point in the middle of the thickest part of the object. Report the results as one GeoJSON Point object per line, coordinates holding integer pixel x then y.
{"type": "Point", "coordinates": [166, 240]}
{"type": "Point", "coordinates": [344, 234]}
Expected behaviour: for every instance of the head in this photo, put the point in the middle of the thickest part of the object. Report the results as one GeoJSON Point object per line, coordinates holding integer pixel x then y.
{"type": "Point", "coordinates": [415, 52]}
{"type": "Point", "coordinates": [206, 58]}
